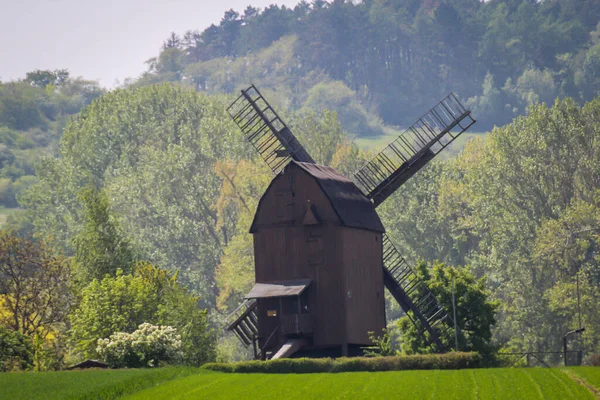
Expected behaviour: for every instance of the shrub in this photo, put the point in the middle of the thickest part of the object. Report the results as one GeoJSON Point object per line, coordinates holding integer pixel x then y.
{"type": "Point", "coordinates": [393, 363]}
{"type": "Point", "coordinates": [151, 295]}
{"type": "Point", "coordinates": [594, 360]}
{"type": "Point", "coordinates": [16, 351]}
{"type": "Point", "coordinates": [145, 347]}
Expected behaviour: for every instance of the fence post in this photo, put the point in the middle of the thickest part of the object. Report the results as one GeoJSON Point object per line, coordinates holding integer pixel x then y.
{"type": "Point", "coordinates": [565, 350]}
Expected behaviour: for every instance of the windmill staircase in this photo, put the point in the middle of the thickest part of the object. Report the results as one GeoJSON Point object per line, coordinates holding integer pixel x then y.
{"type": "Point", "coordinates": [243, 322]}
{"type": "Point", "coordinates": [413, 149]}
{"type": "Point", "coordinates": [266, 131]}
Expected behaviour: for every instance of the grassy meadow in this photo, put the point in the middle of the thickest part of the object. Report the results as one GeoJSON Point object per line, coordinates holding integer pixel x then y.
{"type": "Point", "coordinates": [90, 384]}
{"type": "Point", "coordinates": [180, 383]}
{"type": "Point", "coordinates": [4, 215]}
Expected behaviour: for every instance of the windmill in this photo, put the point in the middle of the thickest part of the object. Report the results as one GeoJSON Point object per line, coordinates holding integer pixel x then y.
{"type": "Point", "coordinates": [322, 256]}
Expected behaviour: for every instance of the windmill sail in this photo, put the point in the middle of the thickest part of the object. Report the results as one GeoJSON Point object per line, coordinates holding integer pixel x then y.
{"type": "Point", "coordinates": [382, 176]}
{"type": "Point", "coordinates": [415, 298]}
{"type": "Point", "coordinates": [413, 149]}
{"type": "Point", "coordinates": [267, 132]}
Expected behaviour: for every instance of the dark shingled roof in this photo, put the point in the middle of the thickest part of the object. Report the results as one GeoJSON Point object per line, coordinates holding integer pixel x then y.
{"type": "Point", "coordinates": [350, 204]}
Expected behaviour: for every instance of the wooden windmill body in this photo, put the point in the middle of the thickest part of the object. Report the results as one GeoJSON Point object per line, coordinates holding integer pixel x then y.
{"type": "Point", "coordinates": [322, 257]}
{"type": "Point", "coordinates": [316, 232]}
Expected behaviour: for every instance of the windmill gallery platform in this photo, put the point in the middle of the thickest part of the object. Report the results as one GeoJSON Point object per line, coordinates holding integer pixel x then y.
{"type": "Point", "coordinates": [322, 258]}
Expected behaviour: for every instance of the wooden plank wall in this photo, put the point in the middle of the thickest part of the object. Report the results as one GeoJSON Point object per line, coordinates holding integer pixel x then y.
{"type": "Point", "coordinates": [286, 253]}
{"type": "Point", "coordinates": [363, 276]}
{"type": "Point", "coordinates": [338, 259]}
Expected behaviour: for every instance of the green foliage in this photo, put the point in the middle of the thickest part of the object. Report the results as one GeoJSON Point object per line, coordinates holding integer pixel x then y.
{"type": "Point", "coordinates": [85, 385]}
{"type": "Point", "coordinates": [382, 345]}
{"type": "Point", "coordinates": [100, 248]}
{"type": "Point", "coordinates": [125, 301]}
{"type": "Point", "coordinates": [43, 78]}
{"type": "Point", "coordinates": [336, 96]}
{"type": "Point", "coordinates": [16, 350]}
{"type": "Point", "coordinates": [320, 133]}
{"type": "Point", "coordinates": [475, 312]}
{"type": "Point", "coordinates": [395, 57]}
{"type": "Point", "coordinates": [312, 365]}
{"type": "Point", "coordinates": [151, 151]}
{"type": "Point", "coordinates": [520, 206]}
{"type": "Point", "coordinates": [32, 115]}
{"type": "Point", "coordinates": [114, 304]}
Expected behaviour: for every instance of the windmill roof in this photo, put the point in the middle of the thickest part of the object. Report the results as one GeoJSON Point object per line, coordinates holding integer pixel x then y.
{"type": "Point", "coordinates": [352, 207]}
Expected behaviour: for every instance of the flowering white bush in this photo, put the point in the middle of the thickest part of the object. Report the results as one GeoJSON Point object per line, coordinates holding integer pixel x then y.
{"type": "Point", "coordinates": [145, 347]}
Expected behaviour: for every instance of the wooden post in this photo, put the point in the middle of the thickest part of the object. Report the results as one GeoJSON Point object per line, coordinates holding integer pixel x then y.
{"type": "Point", "coordinates": [345, 350]}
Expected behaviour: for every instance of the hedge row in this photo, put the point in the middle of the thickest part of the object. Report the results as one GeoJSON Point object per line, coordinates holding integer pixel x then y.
{"type": "Point", "coordinates": [395, 363]}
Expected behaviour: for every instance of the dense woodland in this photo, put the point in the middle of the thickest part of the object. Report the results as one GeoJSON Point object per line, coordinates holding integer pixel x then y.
{"type": "Point", "coordinates": [395, 57]}
{"type": "Point", "coordinates": [151, 188]}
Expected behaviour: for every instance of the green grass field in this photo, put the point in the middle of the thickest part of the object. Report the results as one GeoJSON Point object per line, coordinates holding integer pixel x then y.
{"type": "Point", "coordinates": [533, 383]}
{"type": "Point", "coordinates": [185, 383]}
{"type": "Point", "coordinates": [92, 384]}
{"type": "Point", "coordinates": [4, 215]}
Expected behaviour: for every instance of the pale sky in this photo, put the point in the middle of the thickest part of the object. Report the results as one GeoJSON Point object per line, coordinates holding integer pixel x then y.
{"type": "Point", "coordinates": [102, 40]}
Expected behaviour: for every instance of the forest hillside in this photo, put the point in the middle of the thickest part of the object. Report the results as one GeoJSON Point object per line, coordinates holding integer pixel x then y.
{"type": "Point", "coordinates": [396, 58]}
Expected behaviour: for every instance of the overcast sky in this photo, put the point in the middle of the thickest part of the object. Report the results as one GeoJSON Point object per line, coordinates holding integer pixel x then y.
{"type": "Point", "coordinates": [105, 40]}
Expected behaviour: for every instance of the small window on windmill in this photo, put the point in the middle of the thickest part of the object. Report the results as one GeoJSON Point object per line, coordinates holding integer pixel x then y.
{"type": "Point", "coordinates": [271, 313]}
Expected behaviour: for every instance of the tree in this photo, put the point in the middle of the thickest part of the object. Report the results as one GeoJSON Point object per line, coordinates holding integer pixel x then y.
{"type": "Point", "coordinates": [113, 304]}
{"type": "Point", "coordinates": [43, 78]}
{"type": "Point", "coordinates": [151, 152]}
{"type": "Point", "coordinates": [100, 248]}
{"type": "Point", "coordinates": [123, 302]}
{"type": "Point", "coordinates": [522, 203]}
{"type": "Point", "coordinates": [34, 286]}
{"type": "Point", "coordinates": [243, 184]}
{"type": "Point", "coordinates": [475, 311]}
{"type": "Point", "coordinates": [16, 350]}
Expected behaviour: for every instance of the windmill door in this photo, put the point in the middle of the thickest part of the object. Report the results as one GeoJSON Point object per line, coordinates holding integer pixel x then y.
{"type": "Point", "coordinates": [270, 321]}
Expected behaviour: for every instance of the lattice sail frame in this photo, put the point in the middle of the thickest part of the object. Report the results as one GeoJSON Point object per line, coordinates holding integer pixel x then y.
{"type": "Point", "coordinates": [416, 146]}
{"type": "Point", "coordinates": [266, 131]}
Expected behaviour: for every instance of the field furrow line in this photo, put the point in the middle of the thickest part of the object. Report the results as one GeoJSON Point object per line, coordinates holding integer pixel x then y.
{"type": "Point", "coordinates": [580, 381]}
